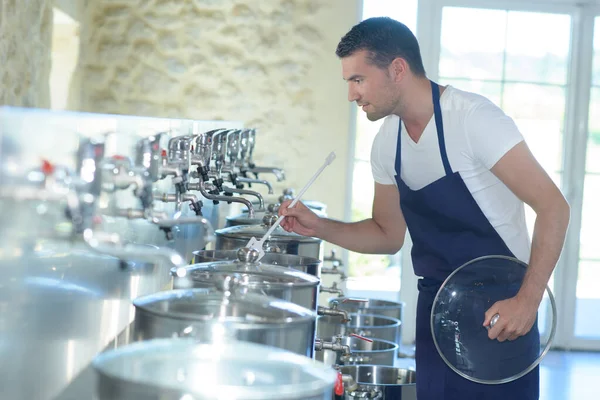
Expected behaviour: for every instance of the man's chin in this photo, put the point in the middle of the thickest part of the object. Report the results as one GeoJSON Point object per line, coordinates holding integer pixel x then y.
{"type": "Point", "coordinates": [375, 116]}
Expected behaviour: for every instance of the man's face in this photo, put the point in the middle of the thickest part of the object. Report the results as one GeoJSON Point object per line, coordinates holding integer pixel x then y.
{"type": "Point", "coordinates": [371, 87]}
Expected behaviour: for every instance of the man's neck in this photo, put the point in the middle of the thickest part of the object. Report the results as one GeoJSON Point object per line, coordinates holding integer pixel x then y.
{"type": "Point", "coordinates": [416, 108]}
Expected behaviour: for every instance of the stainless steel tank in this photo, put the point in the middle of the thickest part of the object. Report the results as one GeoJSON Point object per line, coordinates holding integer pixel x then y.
{"type": "Point", "coordinates": [372, 351]}
{"type": "Point", "coordinates": [368, 325]}
{"type": "Point", "coordinates": [179, 369]}
{"type": "Point", "coordinates": [309, 265]}
{"type": "Point", "coordinates": [257, 277]}
{"type": "Point", "coordinates": [372, 306]}
{"type": "Point", "coordinates": [280, 241]}
{"type": "Point", "coordinates": [243, 218]}
{"type": "Point", "coordinates": [379, 382]}
{"type": "Point", "coordinates": [210, 315]}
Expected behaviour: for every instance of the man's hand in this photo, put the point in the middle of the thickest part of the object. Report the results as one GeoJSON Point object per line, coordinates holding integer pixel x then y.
{"type": "Point", "coordinates": [300, 219]}
{"type": "Point", "coordinates": [517, 316]}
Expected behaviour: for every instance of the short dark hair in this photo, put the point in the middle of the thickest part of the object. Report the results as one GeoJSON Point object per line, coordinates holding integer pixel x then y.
{"type": "Point", "coordinates": [385, 39]}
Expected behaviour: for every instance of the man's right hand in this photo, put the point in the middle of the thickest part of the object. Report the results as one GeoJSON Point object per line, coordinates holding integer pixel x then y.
{"type": "Point", "coordinates": [300, 219]}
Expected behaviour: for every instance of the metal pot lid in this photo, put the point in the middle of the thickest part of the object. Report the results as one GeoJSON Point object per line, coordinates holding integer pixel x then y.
{"type": "Point", "coordinates": [457, 319]}
{"type": "Point", "coordinates": [255, 275]}
{"type": "Point", "coordinates": [246, 232]}
{"type": "Point", "coordinates": [213, 305]}
{"type": "Point", "coordinates": [225, 370]}
{"type": "Point", "coordinates": [279, 259]}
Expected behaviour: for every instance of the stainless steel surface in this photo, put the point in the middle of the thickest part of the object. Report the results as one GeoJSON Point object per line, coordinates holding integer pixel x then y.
{"type": "Point", "coordinates": [307, 265]}
{"type": "Point", "coordinates": [258, 277]}
{"type": "Point", "coordinates": [176, 369]}
{"type": "Point", "coordinates": [377, 352]}
{"type": "Point", "coordinates": [280, 241]}
{"type": "Point", "coordinates": [61, 302]}
{"type": "Point", "coordinates": [209, 315]}
{"type": "Point", "coordinates": [380, 382]}
{"type": "Point", "coordinates": [372, 306]}
{"type": "Point", "coordinates": [368, 325]}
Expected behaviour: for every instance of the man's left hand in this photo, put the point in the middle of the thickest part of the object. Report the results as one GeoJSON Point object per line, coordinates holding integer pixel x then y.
{"type": "Point", "coordinates": [517, 316]}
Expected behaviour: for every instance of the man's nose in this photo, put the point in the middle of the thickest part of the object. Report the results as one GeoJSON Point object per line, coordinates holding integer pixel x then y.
{"type": "Point", "coordinates": [352, 95]}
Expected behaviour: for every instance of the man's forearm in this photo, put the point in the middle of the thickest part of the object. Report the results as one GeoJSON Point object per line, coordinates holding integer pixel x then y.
{"type": "Point", "coordinates": [548, 240]}
{"type": "Point", "coordinates": [362, 237]}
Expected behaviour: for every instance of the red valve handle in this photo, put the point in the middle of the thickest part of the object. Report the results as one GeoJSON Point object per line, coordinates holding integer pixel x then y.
{"type": "Point", "coordinates": [339, 384]}
{"type": "Point", "coordinates": [47, 167]}
{"type": "Point", "coordinates": [361, 337]}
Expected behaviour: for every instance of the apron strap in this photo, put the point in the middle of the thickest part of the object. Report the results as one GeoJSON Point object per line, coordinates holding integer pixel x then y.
{"type": "Point", "coordinates": [437, 110]}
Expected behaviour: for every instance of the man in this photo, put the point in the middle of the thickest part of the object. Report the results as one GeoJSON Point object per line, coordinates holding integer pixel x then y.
{"type": "Point", "coordinates": [454, 169]}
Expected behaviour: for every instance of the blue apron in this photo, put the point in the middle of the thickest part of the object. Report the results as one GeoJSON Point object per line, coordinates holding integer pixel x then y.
{"type": "Point", "coordinates": [448, 229]}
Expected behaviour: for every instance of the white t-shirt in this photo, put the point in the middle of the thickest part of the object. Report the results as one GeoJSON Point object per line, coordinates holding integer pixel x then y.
{"type": "Point", "coordinates": [477, 134]}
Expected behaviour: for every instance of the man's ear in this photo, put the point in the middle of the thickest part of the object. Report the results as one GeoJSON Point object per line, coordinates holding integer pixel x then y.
{"type": "Point", "coordinates": [398, 69]}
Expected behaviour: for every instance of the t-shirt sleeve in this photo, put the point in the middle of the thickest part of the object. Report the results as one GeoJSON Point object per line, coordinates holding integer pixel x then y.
{"type": "Point", "coordinates": [490, 132]}
{"type": "Point", "coordinates": [378, 158]}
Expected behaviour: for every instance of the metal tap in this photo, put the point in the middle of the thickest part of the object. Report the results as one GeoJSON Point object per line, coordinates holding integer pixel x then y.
{"type": "Point", "coordinates": [88, 186]}
{"type": "Point", "coordinates": [202, 152]}
{"type": "Point", "coordinates": [202, 187]}
{"type": "Point", "coordinates": [261, 181]}
{"type": "Point", "coordinates": [336, 266]}
{"type": "Point", "coordinates": [154, 158]}
{"type": "Point", "coordinates": [233, 147]}
{"type": "Point", "coordinates": [335, 345]}
{"type": "Point", "coordinates": [333, 311]}
{"type": "Point", "coordinates": [278, 172]}
{"type": "Point", "coordinates": [195, 204]}
{"type": "Point", "coordinates": [261, 200]}
{"type": "Point", "coordinates": [332, 289]}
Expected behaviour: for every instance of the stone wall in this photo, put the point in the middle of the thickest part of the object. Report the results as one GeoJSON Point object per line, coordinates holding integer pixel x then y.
{"type": "Point", "coordinates": [269, 64]}
{"type": "Point", "coordinates": [25, 47]}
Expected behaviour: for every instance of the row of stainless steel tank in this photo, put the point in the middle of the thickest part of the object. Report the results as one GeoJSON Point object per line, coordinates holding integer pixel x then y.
{"type": "Point", "coordinates": [92, 222]}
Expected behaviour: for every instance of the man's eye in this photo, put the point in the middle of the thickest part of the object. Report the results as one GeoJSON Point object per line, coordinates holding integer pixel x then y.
{"type": "Point", "coordinates": [357, 80]}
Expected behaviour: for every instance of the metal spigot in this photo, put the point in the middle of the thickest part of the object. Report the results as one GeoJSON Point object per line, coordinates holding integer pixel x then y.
{"type": "Point", "coordinates": [178, 198]}
{"type": "Point", "coordinates": [166, 224]}
{"type": "Point", "coordinates": [261, 200]}
{"type": "Point", "coordinates": [261, 181]}
{"type": "Point", "coordinates": [233, 147]}
{"type": "Point", "coordinates": [202, 187]}
{"type": "Point", "coordinates": [202, 152]}
{"type": "Point", "coordinates": [332, 289]}
{"type": "Point", "coordinates": [335, 345]}
{"type": "Point", "coordinates": [336, 266]}
{"type": "Point", "coordinates": [278, 172]}
{"type": "Point", "coordinates": [334, 312]}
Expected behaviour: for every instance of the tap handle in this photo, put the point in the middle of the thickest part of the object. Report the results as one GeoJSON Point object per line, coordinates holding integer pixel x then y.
{"type": "Point", "coordinates": [354, 300]}
{"type": "Point", "coordinates": [361, 337]}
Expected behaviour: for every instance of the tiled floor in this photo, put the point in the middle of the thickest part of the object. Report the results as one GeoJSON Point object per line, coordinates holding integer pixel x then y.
{"type": "Point", "coordinates": [563, 375]}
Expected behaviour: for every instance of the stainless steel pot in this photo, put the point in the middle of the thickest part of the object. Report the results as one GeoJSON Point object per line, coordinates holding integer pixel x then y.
{"type": "Point", "coordinates": [209, 315]}
{"type": "Point", "coordinates": [309, 265]}
{"type": "Point", "coordinates": [280, 241]}
{"type": "Point", "coordinates": [243, 219]}
{"type": "Point", "coordinates": [257, 277]}
{"type": "Point", "coordinates": [372, 306]}
{"type": "Point", "coordinates": [180, 369]}
{"type": "Point", "coordinates": [368, 325]}
{"type": "Point", "coordinates": [379, 382]}
{"type": "Point", "coordinates": [375, 351]}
